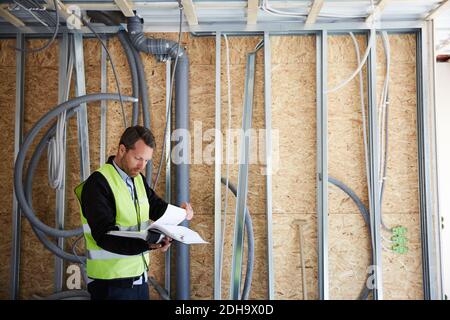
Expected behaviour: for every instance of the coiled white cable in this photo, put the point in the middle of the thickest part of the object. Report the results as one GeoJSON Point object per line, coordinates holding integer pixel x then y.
{"type": "Point", "coordinates": [56, 145]}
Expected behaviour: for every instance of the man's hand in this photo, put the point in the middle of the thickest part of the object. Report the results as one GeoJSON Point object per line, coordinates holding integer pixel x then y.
{"type": "Point", "coordinates": [163, 245]}
{"type": "Point", "coordinates": [189, 210]}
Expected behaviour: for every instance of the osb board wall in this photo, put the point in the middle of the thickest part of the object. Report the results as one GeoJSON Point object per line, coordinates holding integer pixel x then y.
{"type": "Point", "coordinates": [402, 274]}
{"type": "Point", "coordinates": [294, 191]}
{"type": "Point", "coordinates": [400, 203]}
{"type": "Point", "coordinates": [41, 90]}
{"type": "Point", "coordinates": [293, 118]}
{"type": "Point", "coordinates": [202, 119]}
{"type": "Point", "coordinates": [349, 250]}
{"type": "Point", "coordinates": [7, 102]}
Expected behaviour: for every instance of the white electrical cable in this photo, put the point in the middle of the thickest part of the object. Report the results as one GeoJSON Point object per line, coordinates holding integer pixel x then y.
{"type": "Point", "coordinates": [55, 154]}
{"type": "Point", "coordinates": [386, 249]}
{"type": "Point", "coordinates": [363, 106]}
{"type": "Point", "coordinates": [366, 55]}
{"type": "Point", "coordinates": [361, 64]}
{"type": "Point", "coordinates": [266, 7]}
{"type": "Point", "coordinates": [56, 146]}
{"type": "Point", "coordinates": [384, 101]}
{"type": "Point", "coordinates": [227, 157]}
{"type": "Point", "coordinates": [386, 239]}
{"type": "Point", "coordinates": [383, 105]}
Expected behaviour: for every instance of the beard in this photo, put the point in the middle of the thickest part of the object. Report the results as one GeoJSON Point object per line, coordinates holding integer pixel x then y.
{"type": "Point", "coordinates": [132, 172]}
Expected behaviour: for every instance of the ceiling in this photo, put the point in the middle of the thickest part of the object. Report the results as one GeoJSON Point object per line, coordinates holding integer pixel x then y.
{"type": "Point", "coordinates": [243, 15]}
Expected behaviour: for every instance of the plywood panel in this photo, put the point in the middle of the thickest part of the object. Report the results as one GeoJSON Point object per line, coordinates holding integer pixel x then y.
{"type": "Point", "coordinates": [7, 105]}
{"type": "Point", "coordinates": [294, 180]}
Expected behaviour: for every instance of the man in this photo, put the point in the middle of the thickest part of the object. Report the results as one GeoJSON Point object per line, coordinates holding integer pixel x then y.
{"type": "Point", "coordinates": [117, 197]}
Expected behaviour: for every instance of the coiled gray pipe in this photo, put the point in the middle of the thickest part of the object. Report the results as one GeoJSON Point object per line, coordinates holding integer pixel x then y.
{"type": "Point", "coordinates": [48, 244]}
{"type": "Point", "coordinates": [364, 294]}
{"type": "Point", "coordinates": [19, 164]}
{"type": "Point", "coordinates": [67, 295]}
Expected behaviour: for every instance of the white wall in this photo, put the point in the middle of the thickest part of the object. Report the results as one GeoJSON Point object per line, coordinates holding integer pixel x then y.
{"type": "Point", "coordinates": [443, 159]}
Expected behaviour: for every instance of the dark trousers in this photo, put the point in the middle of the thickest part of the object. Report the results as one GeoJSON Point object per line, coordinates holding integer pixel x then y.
{"type": "Point", "coordinates": [107, 290]}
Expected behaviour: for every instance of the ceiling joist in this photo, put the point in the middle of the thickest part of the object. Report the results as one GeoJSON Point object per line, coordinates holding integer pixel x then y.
{"type": "Point", "coordinates": [437, 11]}
{"type": "Point", "coordinates": [375, 15]}
{"type": "Point", "coordinates": [8, 16]}
{"type": "Point", "coordinates": [126, 6]}
{"type": "Point", "coordinates": [190, 12]}
{"type": "Point", "coordinates": [252, 11]}
{"type": "Point", "coordinates": [314, 12]}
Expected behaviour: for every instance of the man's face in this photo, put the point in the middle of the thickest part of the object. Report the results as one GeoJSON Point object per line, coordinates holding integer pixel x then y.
{"type": "Point", "coordinates": [134, 160]}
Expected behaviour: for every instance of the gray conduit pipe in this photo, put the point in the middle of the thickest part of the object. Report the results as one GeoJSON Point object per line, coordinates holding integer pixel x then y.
{"type": "Point", "coordinates": [67, 295]}
{"type": "Point", "coordinates": [162, 292]}
{"type": "Point", "coordinates": [166, 47]}
{"type": "Point", "coordinates": [138, 78]}
{"type": "Point", "coordinates": [250, 244]}
{"type": "Point", "coordinates": [123, 38]}
{"type": "Point", "coordinates": [145, 103]}
{"type": "Point", "coordinates": [48, 244]}
{"type": "Point", "coordinates": [128, 49]}
{"type": "Point", "coordinates": [19, 164]}
{"type": "Point", "coordinates": [364, 294]}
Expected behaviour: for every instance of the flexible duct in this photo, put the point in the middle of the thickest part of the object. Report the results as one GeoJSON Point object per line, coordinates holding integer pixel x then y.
{"type": "Point", "coordinates": [129, 53]}
{"type": "Point", "coordinates": [36, 224]}
{"type": "Point", "coordinates": [139, 80]}
{"type": "Point", "coordinates": [67, 295]}
{"type": "Point", "coordinates": [170, 48]}
{"type": "Point", "coordinates": [364, 212]}
{"type": "Point", "coordinates": [133, 71]}
{"type": "Point", "coordinates": [50, 245]}
{"type": "Point", "coordinates": [250, 244]}
{"type": "Point", "coordinates": [19, 164]}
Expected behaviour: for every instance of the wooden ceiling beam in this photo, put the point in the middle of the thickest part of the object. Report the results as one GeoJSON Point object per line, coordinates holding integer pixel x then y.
{"type": "Point", "coordinates": [190, 12]}
{"type": "Point", "coordinates": [375, 15]}
{"type": "Point", "coordinates": [437, 11]}
{"type": "Point", "coordinates": [9, 17]}
{"type": "Point", "coordinates": [252, 11]}
{"type": "Point", "coordinates": [314, 12]}
{"type": "Point", "coordinates": [126, 6]}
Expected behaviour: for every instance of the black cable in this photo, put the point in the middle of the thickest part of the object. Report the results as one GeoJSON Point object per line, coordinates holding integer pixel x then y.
{"type": "Point", "coordinates": [55, 34]}
{"type": "Point", "coordinates": [112, 66]}
{"type": "Point", "coordinates": [180, 6]}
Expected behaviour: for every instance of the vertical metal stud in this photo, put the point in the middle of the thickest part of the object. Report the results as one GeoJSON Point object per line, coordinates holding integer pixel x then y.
{"type": "Point", "coordinates": [374, 182]}
{"type": "Point", "coordinates": [322, 161]}
{"type": "Point", "coordinates": [168, 171]}
{"type": "Point", "coordinates": [429, 217]}
{"type": "Point", "coordinates": [268, 125]}
{"type": "Point", "coordinates": [217, 182]}
{"type": "Point", "coordinates": [82, 117]}
{"type": "Point", "coordinates": [18, 136]}
{"type": "Point", "coordinates": [103, 104]}
{"type": "Point", "coordinates": [242, 188]}
{"type": "Point", "coordinates": [63, 83]}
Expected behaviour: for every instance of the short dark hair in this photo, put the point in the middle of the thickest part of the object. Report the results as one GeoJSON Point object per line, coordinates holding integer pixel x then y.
{"type": "Point", "coordinates": [133, 134]}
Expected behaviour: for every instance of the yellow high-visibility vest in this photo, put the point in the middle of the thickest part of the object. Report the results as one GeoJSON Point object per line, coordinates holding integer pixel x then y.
{"type": "Point", "coordinates": [101, 263]}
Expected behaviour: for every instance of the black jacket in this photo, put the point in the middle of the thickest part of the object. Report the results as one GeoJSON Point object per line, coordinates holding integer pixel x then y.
{"type": "Point", "coordinates": [99, 209]}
